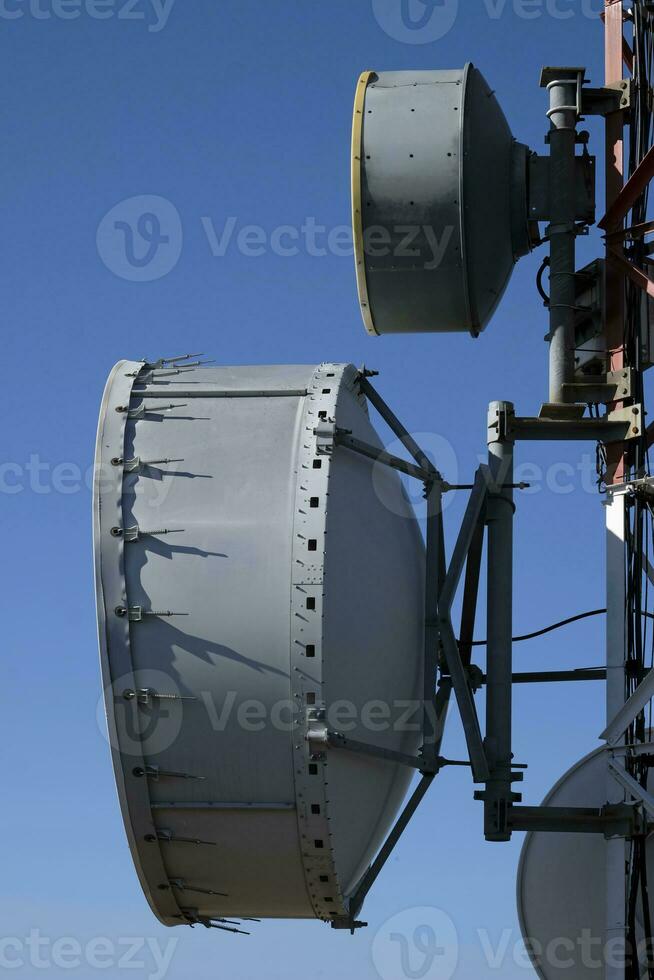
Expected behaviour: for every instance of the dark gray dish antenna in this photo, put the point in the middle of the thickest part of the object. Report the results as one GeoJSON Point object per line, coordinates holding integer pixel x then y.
{"type": "Point", "coordinates": [439, 189]}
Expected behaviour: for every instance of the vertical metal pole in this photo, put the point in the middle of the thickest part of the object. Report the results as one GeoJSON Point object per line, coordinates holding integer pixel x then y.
{"type": "Point", "coordinates": [616, 898]}
{"type": "Point", "coordinates": [563, 113]}
{"type": "Point", "coordinates": [498, 794]}
{"type": "Point", "coordinates": [616, 878]}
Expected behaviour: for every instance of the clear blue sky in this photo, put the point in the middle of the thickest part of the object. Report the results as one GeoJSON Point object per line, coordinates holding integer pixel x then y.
{"type": "Point", "coordinates": [242, 109]}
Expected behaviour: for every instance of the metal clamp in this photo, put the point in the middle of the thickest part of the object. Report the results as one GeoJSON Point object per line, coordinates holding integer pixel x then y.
{"type": "Point", "coordinates": [163, 362]}
{"type": "Point", "coordinates": [136, 464]}
{"type": "Point", "coordinates": [614, 386]}
{"type": "Point", "coordinates": [134, 533]}
{"type": "Point", "coordinates": [325, 433]}
{"type": "Point", "coordinates": [145, 695]}
{"type": "Point", "coordinates": [136, 614]}
{"type": "Point", "coordinates": [167, 837]}
{"type": "Point", "coordinates": [142, 410]}
{"type": "Point", "coordinates": [181, 885]}
{"type": "Point", "coordinates": [317, 735]}
{"type": "Point", "coordinates": [155, 773]}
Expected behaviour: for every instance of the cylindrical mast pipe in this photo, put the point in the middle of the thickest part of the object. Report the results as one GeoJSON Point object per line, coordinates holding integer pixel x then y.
{"type": "Point", "coordinates": [498, 794]}
{"type": "Point", "coordinates": [563, 114]}
{"type": "Point", "coordinates": [616, 897]}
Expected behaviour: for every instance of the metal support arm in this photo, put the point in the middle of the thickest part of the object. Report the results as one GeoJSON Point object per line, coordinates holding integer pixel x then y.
{"type": "Point", "coordinates": [621, 820]}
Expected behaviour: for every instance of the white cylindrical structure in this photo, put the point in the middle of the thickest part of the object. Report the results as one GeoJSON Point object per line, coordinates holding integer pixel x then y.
{"type": "Point", "coordinates": [247, 582]}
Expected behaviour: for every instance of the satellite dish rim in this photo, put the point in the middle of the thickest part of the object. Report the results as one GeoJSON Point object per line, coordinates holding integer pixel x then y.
{"type": "Point", "coordinates": [357, 200]}
{"type": "Point", "coordinates": [473, 317]}
{"type": "Point", "coordinates": [524, 853]}
{"type": "Point", "coordinates": [148, 863]}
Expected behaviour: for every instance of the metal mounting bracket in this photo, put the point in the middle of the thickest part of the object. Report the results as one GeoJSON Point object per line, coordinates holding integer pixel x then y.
{"type": "Point", "coordinates": [621, 820]}
{"type": "Point", "coordinates": [618, 426]}
{"type": "Point", "coordinates": [320, 737]}
{"type": "Point", "coordinates": [613, 97]}
{"type": "Point", "coordinates": [605, 389]}
{"type": "Point", "coordinates": [325, 433]}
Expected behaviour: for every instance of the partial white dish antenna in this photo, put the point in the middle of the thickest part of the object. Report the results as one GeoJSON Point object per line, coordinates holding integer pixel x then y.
{"type": "Point", "coordinates": [562, 884]}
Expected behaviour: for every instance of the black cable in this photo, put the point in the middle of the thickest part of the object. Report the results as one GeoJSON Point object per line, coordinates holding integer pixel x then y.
{"type": "Point", "coordinates": [539, 281]}
{"type": "Point", "coordinates": [639, 522]}
{"type": "Point", "coordinates": [548, 629]}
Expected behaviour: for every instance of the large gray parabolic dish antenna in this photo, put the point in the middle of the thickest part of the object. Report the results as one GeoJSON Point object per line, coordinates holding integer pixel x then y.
{"type": "Point", "coordinates": [562, 884]}
{"type": "Point", "coordinates": [439, 199]}
{"type": "Point", "coordinates": [245, 581]}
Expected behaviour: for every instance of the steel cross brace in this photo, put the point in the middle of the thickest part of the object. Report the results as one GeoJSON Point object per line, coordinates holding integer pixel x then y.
{"type": "Point", "coordinates": [632, 786]}
{"type": "Point", "coordinates": [440, 703]}
{"type": "Point", "coordinates": [629, 194]}
{"type": "Point", "coordinates": [630, 710]}
{"type": "Point", "coordinates": [468, 545]}
{"type": "Point", "coordinates": [341, 437]}
{"type": "Point", "coordinates": [371, 875]}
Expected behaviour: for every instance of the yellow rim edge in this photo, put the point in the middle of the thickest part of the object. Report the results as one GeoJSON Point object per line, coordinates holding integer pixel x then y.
{"type": "Point", "coordinates": [357, 215]}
